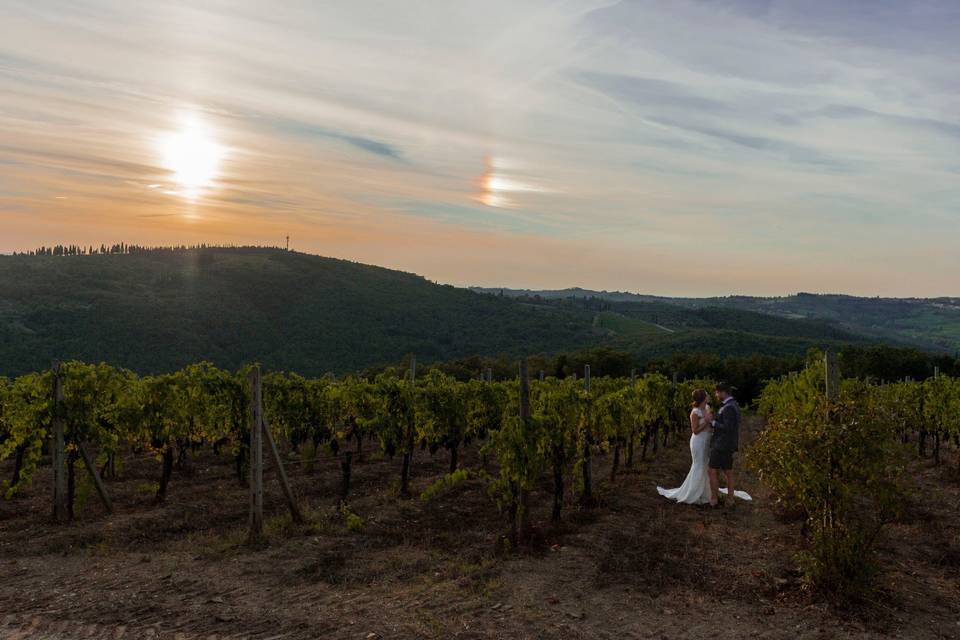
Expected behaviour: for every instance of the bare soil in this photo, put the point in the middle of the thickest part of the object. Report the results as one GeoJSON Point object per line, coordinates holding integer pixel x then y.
{"type": "Point", "coordinates": [636, 566]}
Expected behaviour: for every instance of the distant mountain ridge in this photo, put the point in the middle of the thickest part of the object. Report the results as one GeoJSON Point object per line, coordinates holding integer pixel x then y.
{"type": "Point", "coordinates": [929, 323]}
{"type": "Point", "coordinates": [158, 310]}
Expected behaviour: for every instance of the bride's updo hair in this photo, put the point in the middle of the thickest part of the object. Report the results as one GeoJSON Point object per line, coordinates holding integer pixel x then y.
{"type": "Point", "coordinates": [699, 395]}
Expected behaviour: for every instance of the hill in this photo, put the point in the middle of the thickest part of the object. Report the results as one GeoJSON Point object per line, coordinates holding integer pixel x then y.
{"type": "Point", "coordinates": [158, 310]}
{"type": "Point", "coordinates": [928, 323]}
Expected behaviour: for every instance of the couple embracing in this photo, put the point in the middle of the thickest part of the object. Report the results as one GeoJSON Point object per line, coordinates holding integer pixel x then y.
{"type": "Point", "coordinates": [713, 441]}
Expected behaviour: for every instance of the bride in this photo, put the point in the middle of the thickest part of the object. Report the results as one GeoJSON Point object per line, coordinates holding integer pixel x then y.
{"type": "Point", "coordinates": [696, 487]}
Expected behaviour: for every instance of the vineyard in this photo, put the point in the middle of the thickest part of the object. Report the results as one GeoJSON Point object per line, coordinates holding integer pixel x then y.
{"type": "Point", "coordinates": [411, 503]}
{"type": "Point", "coordinates": [925, 414]}
{"type": "Point", "coordinates": [97, 414]}
{"type": "Point", "coordinates": [840, 452]}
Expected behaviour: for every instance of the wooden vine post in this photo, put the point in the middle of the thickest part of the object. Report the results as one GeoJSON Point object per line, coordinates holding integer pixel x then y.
{"type": "Point", "coordinates": [62, 482]}
{"type": "Point", "coordinates": [936, 427]}
{"type": "Point", "coordinates": [295, 514]}
{"type": "Point", "coordinates": [411, 424]}
{"type": "Point", "coordinates": [256, 456]}
{"type": "Point", "coordinates": [524, 493]}
{"type": "Point", "coordinates": [673, 394]}
{"type": "Point", "coordinates": [95, 475]}
{"type": "Point", "coordinates": [488, 378]}
{"type": "Point", "coordinates": [832, 384]}
{"type": "Point", "coordinates": [587, 441]}
{"type": "Point", "coordinates": [57, 455]}
{"type": "Point", "coordinates": [260, 431]}
{"type": "Point", "coordinates": [633, 430]}
{"type": "Point", "coordinates": [922, 434]}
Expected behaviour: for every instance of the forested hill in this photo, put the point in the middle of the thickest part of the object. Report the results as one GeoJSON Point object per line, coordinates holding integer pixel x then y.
{"type": "Point", "coordinates": [159, 310]}
{"type": "Point", "coordinates": [928, 323]}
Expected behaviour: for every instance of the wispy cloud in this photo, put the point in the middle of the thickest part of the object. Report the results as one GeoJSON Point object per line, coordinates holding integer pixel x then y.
{"type": "Point", "coordinates": [302, 130]}
{"type": "Point", "coordinates": [805, 135]}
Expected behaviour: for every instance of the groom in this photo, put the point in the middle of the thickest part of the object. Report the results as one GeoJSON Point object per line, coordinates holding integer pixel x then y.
{"type": "Point", "coordinates": [725, 441]}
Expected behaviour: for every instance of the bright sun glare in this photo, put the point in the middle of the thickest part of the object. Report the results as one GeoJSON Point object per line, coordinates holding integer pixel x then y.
{"type": "Point", "coordinates": [193, 156]}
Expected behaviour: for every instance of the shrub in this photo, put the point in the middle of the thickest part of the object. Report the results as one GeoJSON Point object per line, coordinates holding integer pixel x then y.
{"type": "Point", "coordinates": [445, 484]}
{"type": "Point", "coordinates": [353, 521]}
{"type": "Point", "coordinates": [843, 464]}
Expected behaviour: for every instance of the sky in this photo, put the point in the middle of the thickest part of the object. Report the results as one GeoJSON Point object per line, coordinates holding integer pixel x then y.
{"type": "Point", "coordinates": [682, 147]}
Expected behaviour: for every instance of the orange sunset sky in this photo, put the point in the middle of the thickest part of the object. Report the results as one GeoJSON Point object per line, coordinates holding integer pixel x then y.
{"type": "Point", "coordinates": [681, 148]}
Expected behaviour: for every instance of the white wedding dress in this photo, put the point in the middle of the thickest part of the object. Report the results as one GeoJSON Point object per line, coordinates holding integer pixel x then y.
{"type": "Point", "coordinates": [696, 487]}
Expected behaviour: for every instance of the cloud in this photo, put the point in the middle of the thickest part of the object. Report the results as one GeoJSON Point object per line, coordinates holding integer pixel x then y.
{"type": "Point", "coordinates": [302, 130]}
{"type": "Point", "coordinates": [794, 132]}
{"type": "Point", "coordinates": [650, 92]}
{"type": "Point", "coordinates": [373, 146]}
{"type": "Point", "coordinates": [930, 125]}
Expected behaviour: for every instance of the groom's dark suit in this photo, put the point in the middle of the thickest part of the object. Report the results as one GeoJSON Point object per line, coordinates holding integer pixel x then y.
{"type": "Point", "coordinates": [726, 435]}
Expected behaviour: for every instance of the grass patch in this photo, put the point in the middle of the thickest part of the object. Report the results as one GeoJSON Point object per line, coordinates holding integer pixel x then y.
{"type": "Point", "coordinates": [445, 485]}
{"type": "Point", "coordinates": [353, 521]}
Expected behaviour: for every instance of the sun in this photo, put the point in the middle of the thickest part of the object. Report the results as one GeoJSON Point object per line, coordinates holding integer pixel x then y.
{"type": "Point", "coordinates": [193, 156]}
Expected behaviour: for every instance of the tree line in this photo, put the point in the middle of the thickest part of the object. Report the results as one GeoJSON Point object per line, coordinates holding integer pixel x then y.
{"type": "Point", "coordinates": [122, 248]}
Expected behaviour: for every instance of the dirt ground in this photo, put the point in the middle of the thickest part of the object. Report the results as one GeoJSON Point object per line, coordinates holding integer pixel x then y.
{"type": "Point", "coordinates": [635, 567]}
